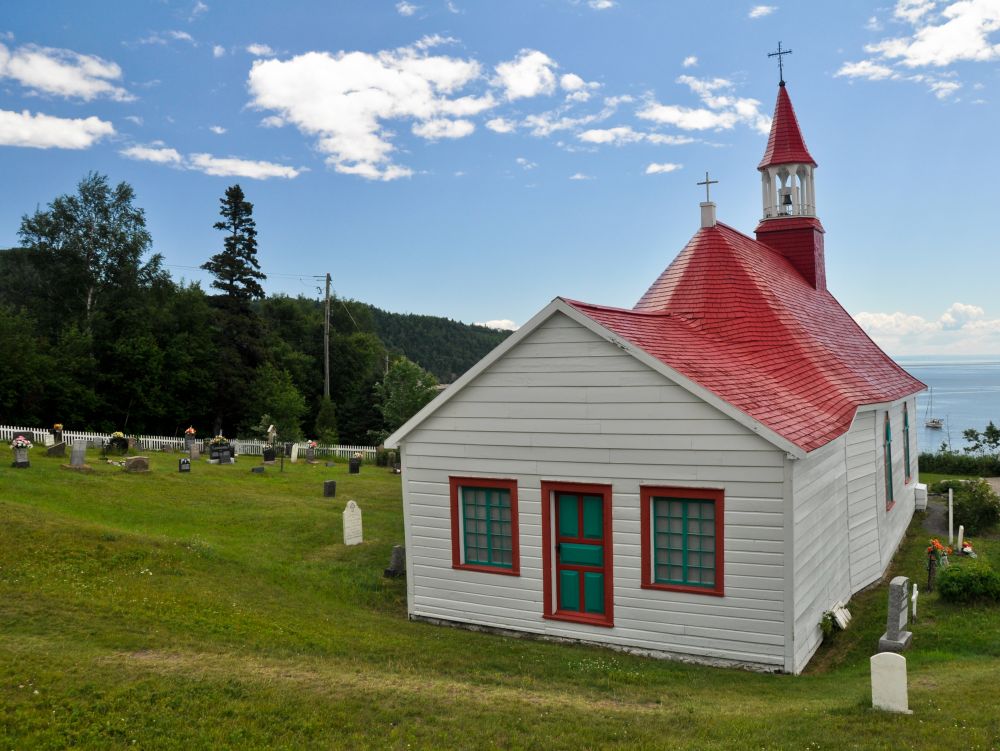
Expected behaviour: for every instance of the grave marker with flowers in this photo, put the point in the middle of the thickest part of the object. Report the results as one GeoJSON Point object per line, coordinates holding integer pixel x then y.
{"type": "Point", "coordinates": [189, 437]}
{"type": "Point", "coordinates": [220, 451]}
{"type": "Point", "coordinates": [20, 446]}
{"type": "Point", "coordinates": [118, 443]}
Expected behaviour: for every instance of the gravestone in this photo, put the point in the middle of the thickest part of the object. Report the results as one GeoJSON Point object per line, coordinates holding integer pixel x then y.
{"type": "Point", "coordinates": [295, 453]}
{"type": "Point", "coordinates": [78, 455]}
{"type": "Point", "coordinates": [56, 449]}
{"type": "Point", "coordinates": [352, 524]}
{"type": "Point", "coordinates": [137, 464]}
{"type": "Point", "coordinates": [311, 455]}
{"type": "Point", "coordinates": [896, 638]}
{"type": "Point", "coordinates": [257, 470]}
{"type": "Point", "coordinates": [397, 563]}
{"type": "Point", "coordinates": [270, 455]}
{"type": "Point", "coordinates": [183, 465]}
{"type": "Point", "coordinates": [188, 442]}
{"type": "Point", "coordinates": [913, 599]}
{"type": "Point", "coordinates": [221, 454]}
{"type": "Point", "coordinates": [329, 488]}
{"type": "Point", "coordinates": [194, 453]}
{"type": "Point", "coordinates": [889, 683]}
{"type": "Point", "coordinates": [27, 434]}
{"type": "Point", "coordinates": [354, 465]}
{"type": "Point", "coordinates": [21, 460]}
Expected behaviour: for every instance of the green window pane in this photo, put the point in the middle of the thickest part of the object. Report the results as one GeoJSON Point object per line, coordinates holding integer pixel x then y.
{"type": "Point", "coordinates": [486, 515]}
{"type": "Point", "coordinates": [593, 592]}
{"type": "Point", "coordinates": [684, 542]}
{"type": "Point", "coordinates": [569, 521]}
{"type": "Point", "coordinates": [569, 589]}
{"type": "Point", "coordinates": [593, 517]}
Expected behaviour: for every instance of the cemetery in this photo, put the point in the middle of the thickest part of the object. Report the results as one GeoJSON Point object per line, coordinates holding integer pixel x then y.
{"type": "Point", "coordinates": [216, 606]}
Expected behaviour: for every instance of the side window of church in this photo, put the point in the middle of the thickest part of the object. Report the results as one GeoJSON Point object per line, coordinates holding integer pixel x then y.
{"type": "Point", "coordinates": [906, 443]}
{"type": "Point", "coordinates": [682, 545]}
{"type": "Point", "coordinates": [887, 460]}
{"type": "Point", "coordinates": [484, 525]}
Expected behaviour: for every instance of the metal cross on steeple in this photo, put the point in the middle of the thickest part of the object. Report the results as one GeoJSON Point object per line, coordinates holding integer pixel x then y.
{"type": "Point", "coordinates": [781, 67]}
{"type": "Point", "coordinates": [707, 183]}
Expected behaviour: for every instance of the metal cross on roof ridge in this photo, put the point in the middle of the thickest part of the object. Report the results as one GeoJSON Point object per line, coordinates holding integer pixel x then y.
{"type": "Point", "coordinates": [707, 183]}
{"type": "Point", "coordinates": [781, 67]}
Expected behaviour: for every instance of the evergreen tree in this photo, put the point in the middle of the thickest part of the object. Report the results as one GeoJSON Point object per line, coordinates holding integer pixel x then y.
{"type": "Point", "coordinates": [236, 271]}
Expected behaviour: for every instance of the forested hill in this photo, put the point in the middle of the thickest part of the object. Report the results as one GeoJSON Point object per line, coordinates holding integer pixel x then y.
{"type": "Point", "coordinates": [445, 347]}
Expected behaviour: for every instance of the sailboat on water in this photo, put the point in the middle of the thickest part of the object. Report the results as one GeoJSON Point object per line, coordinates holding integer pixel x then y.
{"type": "Point", "coordinates": [930, 421]}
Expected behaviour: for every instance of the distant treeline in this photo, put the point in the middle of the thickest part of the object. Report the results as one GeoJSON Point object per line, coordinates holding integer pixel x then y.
{"type": "Point", "coordinates": [95, 334]}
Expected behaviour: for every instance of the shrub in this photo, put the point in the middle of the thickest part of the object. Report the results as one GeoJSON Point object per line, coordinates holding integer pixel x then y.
{"type": "Point", "coordinates": [950, 463]}
{"type": "Point", "coordinates": [977, 507]}
{"type": "Point", "coordinates": [969, 581]}
{"type": "Point", "coordinates": [943, 486]}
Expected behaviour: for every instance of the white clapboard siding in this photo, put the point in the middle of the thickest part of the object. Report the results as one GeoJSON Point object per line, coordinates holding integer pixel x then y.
{"type": "Point", "coordinates": [566, 405]}
{"type": "Point", "coordinates": [893, 522]}
{"type": "Point", "coordinates": [822, 576]}
{"type": "Point", "coordinates": [862, 500]}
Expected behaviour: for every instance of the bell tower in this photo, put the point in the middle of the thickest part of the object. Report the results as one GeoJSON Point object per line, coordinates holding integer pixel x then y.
{"type": "Point", "coordinates": [788, 223]}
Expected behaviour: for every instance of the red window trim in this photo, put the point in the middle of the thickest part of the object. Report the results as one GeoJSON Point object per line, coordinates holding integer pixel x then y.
{"type": "Point", "coordinates": [454, 484]}
{"type": "Point", "coordinates": [607, 619]}
{"type": "Point", "coordinates": [908, 474]}
{"type": "Point", "coordinates": [646, 494]}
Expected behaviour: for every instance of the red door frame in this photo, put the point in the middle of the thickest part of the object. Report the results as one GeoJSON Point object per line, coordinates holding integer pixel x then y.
{"type": "Point", "coordinates": [607, 617]}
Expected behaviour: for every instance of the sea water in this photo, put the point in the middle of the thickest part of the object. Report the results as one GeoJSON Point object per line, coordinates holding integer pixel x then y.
{"type": "Point", "coordinates": [966, 394]}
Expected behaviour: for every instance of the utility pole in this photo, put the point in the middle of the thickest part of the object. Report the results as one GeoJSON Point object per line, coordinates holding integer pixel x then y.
{"type": "Point", "coordinates": [326, 343]}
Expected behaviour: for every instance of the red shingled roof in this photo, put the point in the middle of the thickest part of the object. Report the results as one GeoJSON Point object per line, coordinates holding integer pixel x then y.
{"type": "Point", "coordinates": [733, 315]}
{"type": "Point", "coordinates": [785, 145]}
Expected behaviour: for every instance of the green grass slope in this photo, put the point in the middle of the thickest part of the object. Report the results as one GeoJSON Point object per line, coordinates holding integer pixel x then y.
{"type": "Point", "coordinates": [220, 609]}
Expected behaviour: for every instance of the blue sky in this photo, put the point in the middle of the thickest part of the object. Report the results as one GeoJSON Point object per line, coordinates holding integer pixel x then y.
{"type": "Point", "coordinates": [476, 159]}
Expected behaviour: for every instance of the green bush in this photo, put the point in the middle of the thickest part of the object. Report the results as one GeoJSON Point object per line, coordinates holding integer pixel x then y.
{"type": "Point", "coordinates": [969, 581]}
{"type": "Point", "coordinates": [977, 507]}
{"type": "Point", "coordinates": [943, 486]}
{"type": "Point", "coordinates": [948, 463]}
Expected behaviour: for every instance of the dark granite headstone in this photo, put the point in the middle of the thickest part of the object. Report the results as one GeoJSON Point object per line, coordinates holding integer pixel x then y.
{"type": "Point", "coordinates": [270, 455]}
{"type": "Point", "coordinates": [257, 470]}
{"type": "Point", "coordinates": [329, 488]}
{"type": "Point", "coordinates": [354, 466]}
{"type": "Point", "coordinates": [397, 563]}
{"type": "Point", "coordinates": [137, 464]}
{"type": "Point", "coordinates": [57, 449]}
{"type": "Point", "coordinates": [183, 465]}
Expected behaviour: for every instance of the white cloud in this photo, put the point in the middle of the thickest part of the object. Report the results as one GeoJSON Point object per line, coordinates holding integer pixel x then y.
{"type": "Point", "coordinates": [501, 125]}
{"type": "Point", "coordinates": [624, 134]}
{"type": "Point", "coordinates": [580, 176]}
{"type": "Point", "coordinates": [406, 9]}
{"type": "Point", "coordinates": [260, 50]}
{"type": "Point", "coordinates": [526, 164]}
{"type": "Point", "coordinates": [601, 4]}
{"type": "Point", "coordinates": [443, 128]}
{"type": "Point", "coordinates": [866, 69]}
{"type": "Point", "coordinates": [504, 324]}
{"type": "Point", "coordinates": [721, 112]}
{"type": "Point", "coordinates": [662, 168]}
{"type": "Point", "coordinates": [529, 74]}
{"type": "Point", "coordinates": [217, 129]}
{"type": "Point", "coordinates": [62, 72]}
{"type": "Point", "coordinates": [41, 131]}
{"type": "Point", "coordinates": [690, 61]}
{"type": "Point", "coordinates": [961, 329]}
{"type": "Point", "coordinates": [272, 121]}
{"type": "Point", "coordinates": [343, 100]}
{"type": "Point", "coordinates": [759, 11]}
{"type": "Point", "coordinates": [233, 167]}
{"type": "Point", "coordinates": [148, 154]}
{"type": "Point", "coordinates": [579, 90]}
{"type": "Point", "coordinates": [873, 24]}
{"type": "Point", "coordinates": [913, 10]}
{"type": "Point", "coordinates": [134, 119]}
{"type": "Point", "coordinates": [452, 8]}
{"type": "Point", "coordinates": [166, 37]}
{"type": "Point", "coordinates": [944, 89]}
{"type": "Point", "coordinates": [197, 10]}
{"type": "Point", "coordinates": [218, 50]}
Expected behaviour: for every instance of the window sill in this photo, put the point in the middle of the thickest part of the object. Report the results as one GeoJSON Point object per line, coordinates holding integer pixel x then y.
{"type": "Point", "coordinates": [589, 620]}
{"type": "Point", "coordinates": [487, 569]}
{"type": "Point", "coordinates": [687, 590]}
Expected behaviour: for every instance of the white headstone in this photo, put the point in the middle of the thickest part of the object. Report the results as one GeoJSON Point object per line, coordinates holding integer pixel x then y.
{"type": "Point", "coordinates": [913, 599]}
{"type": "Point", "coordinates": [889, 683]}
{"type": "Point", "coordinates": [78, 456]}
{"type": "Point", "coordinates": [352, 524]}
{"type": "Point", "coordinates": [295, 452]}
{"type": "Point", "coordinates": [961, 537]}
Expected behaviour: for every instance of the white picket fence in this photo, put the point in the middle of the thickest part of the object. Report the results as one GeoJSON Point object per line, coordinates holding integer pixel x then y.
{"type": "Point", "coordinates": [247, 446]}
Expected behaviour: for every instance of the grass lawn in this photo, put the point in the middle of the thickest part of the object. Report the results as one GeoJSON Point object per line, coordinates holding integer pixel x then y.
{"type": "Point", "coordinates": [220, 610]}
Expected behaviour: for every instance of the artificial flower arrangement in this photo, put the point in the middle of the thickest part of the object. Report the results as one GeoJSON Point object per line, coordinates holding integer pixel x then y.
{"type": "Point", "coordinates": [118, 442]}
{"type": "Point", "coordinates": [219, 440]}
{"type": "Point", "coordinates": [358, 455]}
{"type": "Point", "coordinates": [967, 549]}
{"type": "Point", "coordinates": [937, 550]}
{"type": "Point", "coordinates": [190, 431]}
{"type": "Point", "coordinates": [58, 426]}
{"type": "Point", "coordinates": [20, 443]}
{"type": "Point", "coordinates": [313, 444]}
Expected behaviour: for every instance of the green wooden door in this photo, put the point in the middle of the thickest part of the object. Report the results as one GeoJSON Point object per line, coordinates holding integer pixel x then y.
{"type": "Point", "coordinates": [580, 554]}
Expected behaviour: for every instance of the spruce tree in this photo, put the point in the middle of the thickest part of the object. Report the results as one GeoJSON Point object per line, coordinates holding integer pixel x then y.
{"type": "Point", "coordinates": [236, 271]}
